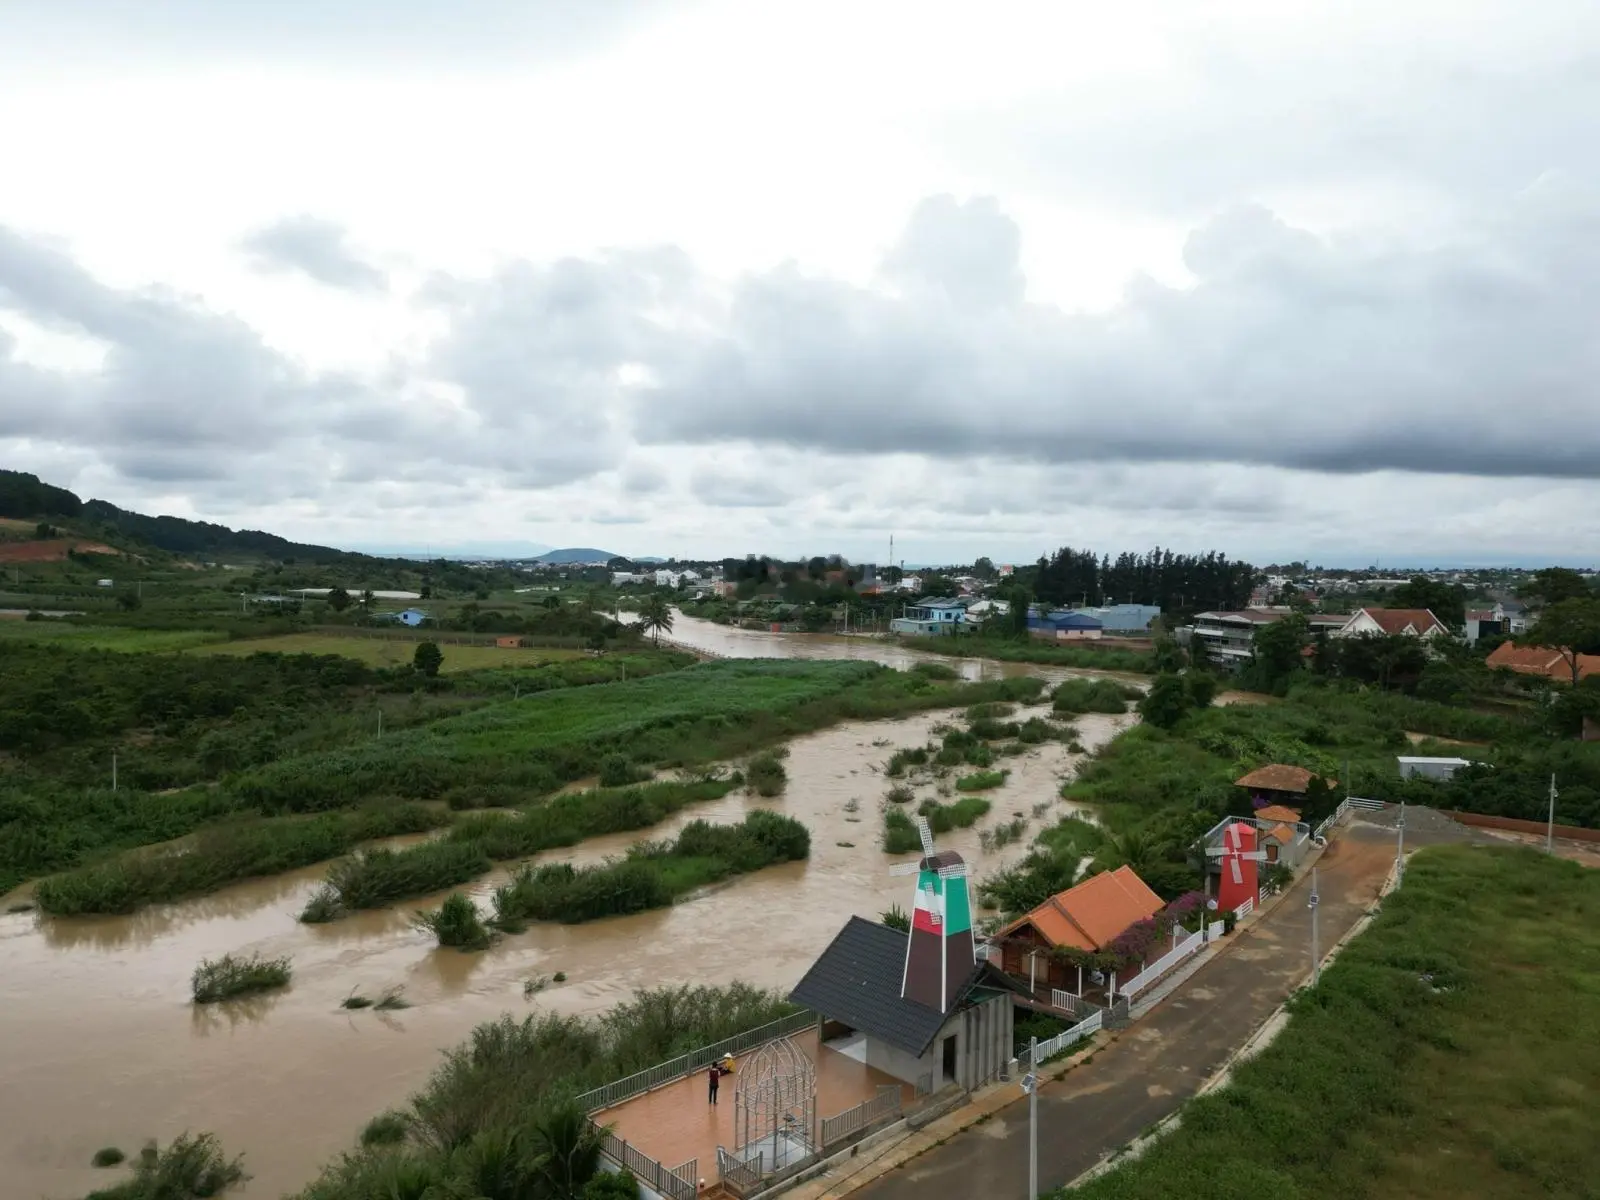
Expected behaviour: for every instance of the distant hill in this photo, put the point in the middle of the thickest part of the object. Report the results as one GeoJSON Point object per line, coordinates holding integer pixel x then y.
{"type": "Point", "coordinates": [577, 554]}
{"type": "Point", "coordinates": [25, 496]}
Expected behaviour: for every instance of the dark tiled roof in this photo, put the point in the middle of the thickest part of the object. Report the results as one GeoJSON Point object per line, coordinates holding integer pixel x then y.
{"type": "Point", "coordinates": [856, 980]}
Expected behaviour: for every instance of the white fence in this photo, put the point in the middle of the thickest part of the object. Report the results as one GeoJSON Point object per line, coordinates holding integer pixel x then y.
{"type": "Point", "coordinates": [686, 1064]}
{"type": "Point", "coordinates": [1163, 964]}
{"type": "Point", "coordinates": [853, 1120]}
{"type": "Point", "coordinates": [1215, 930]}
{"type": "Point", "coordinates": [1346, 806]}
{"type": "Point", "coordinates": [676, 1183]}
{"type": "Point", "coordinates": [1050, 1047]}
{"type": "Point", "coordinates": [1245, 909]}
{"type": "Point", "coordinates": [1072, 1002]}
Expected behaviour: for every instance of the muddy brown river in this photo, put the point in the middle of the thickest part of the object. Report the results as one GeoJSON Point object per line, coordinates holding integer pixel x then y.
{"type": "Point", "coordinates": [100, 1046]}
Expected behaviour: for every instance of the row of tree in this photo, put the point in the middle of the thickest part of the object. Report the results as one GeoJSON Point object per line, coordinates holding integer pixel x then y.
{"type": "Point", "coordinates": [1178, 583]}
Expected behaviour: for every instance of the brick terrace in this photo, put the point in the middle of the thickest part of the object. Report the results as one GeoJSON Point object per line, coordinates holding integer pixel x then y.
{"type": "Point", "coordinates": [674, 1123]}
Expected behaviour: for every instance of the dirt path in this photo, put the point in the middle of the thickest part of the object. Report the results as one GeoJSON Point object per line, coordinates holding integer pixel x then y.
{"type": "Point", "coordinates": [1162, 1060]}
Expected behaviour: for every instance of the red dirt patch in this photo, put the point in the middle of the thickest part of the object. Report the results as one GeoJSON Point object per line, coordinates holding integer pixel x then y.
{"type": "Point", "coordinates": [50, 550]}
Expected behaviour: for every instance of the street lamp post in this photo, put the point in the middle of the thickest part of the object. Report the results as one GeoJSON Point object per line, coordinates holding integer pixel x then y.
{"type": "Point", "coordinates": [1030, 1084]}
{"type": "Point", "coordinates": [1316, 954]}
{"type": "Point", "coordinates": [1400, 847]}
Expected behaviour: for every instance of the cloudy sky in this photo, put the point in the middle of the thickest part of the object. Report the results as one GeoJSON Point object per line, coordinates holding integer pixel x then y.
{"type": "Point", "coordinates": [1313, 280]}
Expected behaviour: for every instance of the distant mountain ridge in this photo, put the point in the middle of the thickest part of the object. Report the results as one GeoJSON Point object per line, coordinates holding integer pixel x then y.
{"type": "Point", "coordinates": [577, 554]}
{"type": "Point", "coordinates": [24, 495]}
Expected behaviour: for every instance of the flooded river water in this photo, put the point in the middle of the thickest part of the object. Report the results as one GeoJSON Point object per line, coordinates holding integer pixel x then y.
{"type": "Point", "coordinates": [101, 1046]}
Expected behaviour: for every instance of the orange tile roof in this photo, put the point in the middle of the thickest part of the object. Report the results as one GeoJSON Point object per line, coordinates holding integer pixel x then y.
{"type": "Point", "coordinates": [1277, 812]}
{"type": "Point", "coordinates": [1542, 660]}
{"type": "Point", "coordinates": [1284, 833]}
{"type": "Point", "coordinates": [1398, 620]}
{"type": "Point", "coordinates": [1277, 778]}
{"type": "Point", "coordinates": [1091, 914]}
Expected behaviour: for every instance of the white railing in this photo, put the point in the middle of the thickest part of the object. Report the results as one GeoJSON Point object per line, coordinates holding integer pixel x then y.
{"type": "Point", "coordinates": [687, 1064]}
{"type": "Point", "coordinates": [1072, 1002]}
{"type": "Point", "coordinates": [1346, 806]}
{"type": "Point", "coordinates": [853, 1120]}
{"type": "Point", "coordinates": [1215, 930]}
{"type": "Point", "coordinates": [740, 1175]}
{"type": "Point", "coordinates": [678, 1183]}
{"type": "Point", "coordinates": [1163, 964]}
{"type": "Point", "coordinates": [1245, 909]}
{"type": "Point", "coordinates": [1050, 1047]}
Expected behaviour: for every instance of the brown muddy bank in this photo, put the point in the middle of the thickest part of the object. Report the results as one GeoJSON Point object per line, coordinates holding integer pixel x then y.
{"type": "Point", "coordinates": [101, 1046]}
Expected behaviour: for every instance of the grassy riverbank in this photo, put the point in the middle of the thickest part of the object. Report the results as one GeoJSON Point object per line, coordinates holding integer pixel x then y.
{"type": "Point", "coordinates": [1104, 656]}
{"type": "Point", "coordinates": [182, 730]}
{"type": "Point", "coordinates": [1424, 1064]}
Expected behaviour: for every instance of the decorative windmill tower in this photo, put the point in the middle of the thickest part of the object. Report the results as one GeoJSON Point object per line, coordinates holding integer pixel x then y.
{"type": "Point", "coordinates": [940, 951]}
{"type": "Point", "coordinates": [1237, 857]}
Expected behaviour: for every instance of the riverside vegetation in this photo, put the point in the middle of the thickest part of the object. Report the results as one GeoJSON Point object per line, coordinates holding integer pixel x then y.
{"type": "Point", "coordinates": [1422, 1065]}
{"type": "Point", "coordinates": [185, 729]}
{"type": "Point", "coordinates": [307, 807]}
{"type": "Point", "coordinates": [1155, 789]}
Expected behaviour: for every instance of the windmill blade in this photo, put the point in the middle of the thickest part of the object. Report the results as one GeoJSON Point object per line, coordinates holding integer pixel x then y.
{"type": "Point", "coordinates": [953, 871]}
{"type": "Point", "coordinates": [1238, 876]}
{"type": "Point", "coordinates": [1253, 856]}
{"type": "Point", "coordinates": [910, 868]}
{"type": "Point", "coordinates": [1218, 851]}
{"type": "Point", "coordinates": [927, 836]}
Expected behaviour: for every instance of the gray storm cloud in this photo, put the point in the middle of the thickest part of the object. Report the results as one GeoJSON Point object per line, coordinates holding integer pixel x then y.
{"type": "Point", "coordinates": [316, 248]}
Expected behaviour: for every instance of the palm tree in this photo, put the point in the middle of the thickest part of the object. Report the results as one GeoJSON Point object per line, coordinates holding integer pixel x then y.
{"type": "Point", "coordinates": [567, 1148]}
{"type": "Point", "coordinates": [497, 1164]}
{"type": "Point", "coordinates": [655, 616]}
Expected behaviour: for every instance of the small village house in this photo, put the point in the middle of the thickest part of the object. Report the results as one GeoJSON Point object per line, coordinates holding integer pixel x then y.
{"type": "Point", "coordinates": [1412, 622]}
{"type": "Point", "coordinates": [931, 618]}
{"type": "Point", "coordinates": [1087, 917]}
{"type": "Point", "coordinates": [1439, 769]}
{"type": "Point", "coordinates": [1543, 661]}
{"type": "Point", "coordinates": [508, 643]}
{"type": "Point", "coordinates": [1279, 785]}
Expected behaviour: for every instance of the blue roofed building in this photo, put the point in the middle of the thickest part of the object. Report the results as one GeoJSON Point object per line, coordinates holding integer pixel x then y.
{"type": "Point", "coordinates": [410, 616]}
{"type": "Point", "coordinates": [931, 618]}
{"type": "Point", "coordinates": [1062, 624]}
{"type": "Point", "coordinates": [1124, 618]}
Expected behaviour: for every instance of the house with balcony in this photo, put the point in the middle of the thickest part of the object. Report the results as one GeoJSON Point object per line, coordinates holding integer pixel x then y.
{"type": "Point", "coordinates": [1228, 638]}
{"type": "Point", "coordinates": [931, 618]}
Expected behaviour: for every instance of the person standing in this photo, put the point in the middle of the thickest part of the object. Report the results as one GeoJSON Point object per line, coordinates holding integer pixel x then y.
{"type": "Point", "coordinates": [715, 1077]}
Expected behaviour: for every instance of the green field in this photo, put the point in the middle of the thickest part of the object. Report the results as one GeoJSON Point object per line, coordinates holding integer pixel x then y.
{"type": "Point", "coordinates": [1453, 1049]}
{"type": "Point", "coordinates": [393, 652]}
{"type": "Point", "coordinates": [107, 637]}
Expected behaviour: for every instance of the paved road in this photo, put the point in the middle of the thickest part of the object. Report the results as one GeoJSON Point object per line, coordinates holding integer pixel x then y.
{"type": "Point", "coordinates": [1163, 1059]}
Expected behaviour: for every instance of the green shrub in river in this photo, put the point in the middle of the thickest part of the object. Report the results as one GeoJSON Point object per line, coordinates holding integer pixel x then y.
{"type": "Point", "coordinates": [455, 923]}
{"type": "Point", "coordinates": [653, 874]}
{"type": "Point", "coordinates": [229, 976]}
{"type": "Point", "coordinates": [376, 878]}
{"type": "Point", "coordinates": [1092, 696]}
{"type": "Point", "coordinates": [766, 774]}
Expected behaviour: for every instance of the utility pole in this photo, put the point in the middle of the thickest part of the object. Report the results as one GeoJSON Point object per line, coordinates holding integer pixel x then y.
{"type": "Point", "coordinates": [1316, 951]}
{"type": "Point", "coordinates": [1031, 1082]}
{"type": "Point", "coordinates": [380, 722]}
{"type": "Point", "coordinates": [1550, 821]}
{"type": "Point", "coordinates": [113, 770]}
{"type": "Point", "coordinates": [1400, 847]}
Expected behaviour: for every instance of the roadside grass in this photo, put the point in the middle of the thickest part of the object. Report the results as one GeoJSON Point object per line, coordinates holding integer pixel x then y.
{"type": "Point", "coordinates": [395, 652]}
{"type": "Point", "coordinates": [224, 978]}
{"type": "Point", "coordinates": [1453, 1049]}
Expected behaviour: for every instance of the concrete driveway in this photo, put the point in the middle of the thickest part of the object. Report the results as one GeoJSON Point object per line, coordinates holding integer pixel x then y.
{"type": "Point", "coordinates": [1163, 1059]}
